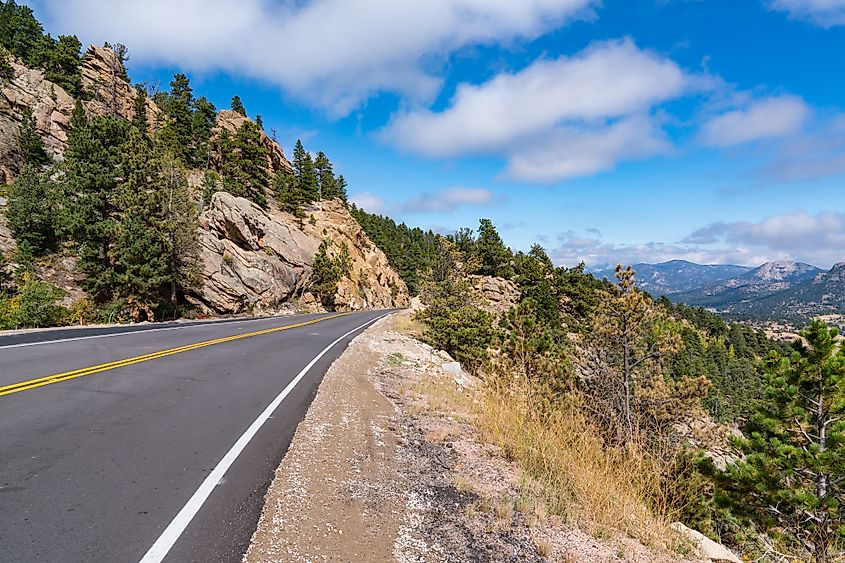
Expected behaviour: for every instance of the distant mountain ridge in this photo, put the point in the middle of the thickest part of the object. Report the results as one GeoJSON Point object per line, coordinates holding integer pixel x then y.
{"type": "Point", "coordinates": [779, 290]}
{"type": "Point", "coordinates": [677, 276]}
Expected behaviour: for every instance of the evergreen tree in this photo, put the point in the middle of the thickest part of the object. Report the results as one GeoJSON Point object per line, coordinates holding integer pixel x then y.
{"type": "Point", "coordinates": [31, 144]}
{"type": "Point", "coordinates": [93, 165]}
{"type": "Point", "coordinates": [141, 246]}
{"type": "Point", "coordinates": [791, 474]}
{"type": "Point", "coordinates": [631, 339]}
{"type": "Point", "coordinates": [180, 227]}
{"type": "Point", "coordinates": [177, 134]}
{"type": "Point", "coordinates": [139, 109]}
{"type": "Point", "coordinates": [7, 71]}
{"type": "Point", "coordinates": [32, 212]}
{"type": "Point", "coordinates": [259, 121]}
{"type": "Point", "coordinates": [238, 106]}
{"type": "Point", "coordinates": [203, 120]}
{"type": "Point", "coordinates": [286, 192]}
{"type": "Point", "coordinates": [244, 165]}
{"type": "Point", "coordinates": [62, 65]}
{"type": "Point", "coordinates": [306, 176]}
{"type": "Point", "coordinates": [326, 181]}
{"type": "Point", "coordinates": [341, 188]}
{"type": "Point", "coordinates": [495, 256]}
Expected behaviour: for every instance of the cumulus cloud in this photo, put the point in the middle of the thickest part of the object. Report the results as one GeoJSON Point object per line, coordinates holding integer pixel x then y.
{"type": "Point", "coordinates": [442, 201]}
{"type": "Point", "coordinates": [825, 13]}
{"type": "Point", "coordinates": [331, 53]}
{"type": "Point", "coordinates": [817, 239]}
{"type": "Point", "coordinates": [558, 118]}
{"type": "Point", "coordinates": [762, 119]}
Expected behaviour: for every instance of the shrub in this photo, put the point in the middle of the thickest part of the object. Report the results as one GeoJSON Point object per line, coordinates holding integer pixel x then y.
{"type": "Point", "coordinates": [34, 306]}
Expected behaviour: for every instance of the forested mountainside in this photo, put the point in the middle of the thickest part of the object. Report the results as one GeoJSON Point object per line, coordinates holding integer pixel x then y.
{"type": "Point", "coordinates": [677, 276]}
{"type": "Point", "coordinates": [122, 203]}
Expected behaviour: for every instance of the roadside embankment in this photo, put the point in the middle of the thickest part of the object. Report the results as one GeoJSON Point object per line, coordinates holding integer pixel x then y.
{"type": "Point", "coordinates": [389, 465]}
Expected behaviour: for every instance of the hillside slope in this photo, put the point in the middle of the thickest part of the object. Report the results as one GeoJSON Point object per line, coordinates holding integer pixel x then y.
{"type": "Point", "coordinates": [251, 258]}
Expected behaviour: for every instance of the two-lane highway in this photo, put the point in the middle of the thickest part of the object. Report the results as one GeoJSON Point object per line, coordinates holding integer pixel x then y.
{"type": "Point", "coordinates": [152, 444]}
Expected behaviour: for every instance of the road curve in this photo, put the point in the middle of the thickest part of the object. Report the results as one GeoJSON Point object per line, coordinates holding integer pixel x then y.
{"type": "Point", "coordinates": [107, 434]}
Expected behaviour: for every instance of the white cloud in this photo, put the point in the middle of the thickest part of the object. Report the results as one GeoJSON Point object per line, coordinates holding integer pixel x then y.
{"type": "Point", "coordinates": [446, 201]}
{"type": "Point", "coordinates": [825, 13]}
{"type": "Point", "coordinates": [607, 80]}
{"type": "Point", "coordinates": [762, 119]}
{"type": "Point", "coordinates": [368, 202]}
{"type": "Point", "coordinates": [330, 53]}
{"type": "Point", "coordinates": [817, 239]}
{"type": "Point", "coordinates": [443, 201]}
{"type": "Point", "coordinates": [578, 151]}
{"type": "Point", "coordinates": [555, 119]}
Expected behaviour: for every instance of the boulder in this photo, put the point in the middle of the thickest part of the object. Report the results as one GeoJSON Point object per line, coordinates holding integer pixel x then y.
{"type": "Point", "coordinates": [258, 259]}
{"type": "Point", "coordinates": [501, 294]}
{"type": "Point", "coordinates": [707, 548]}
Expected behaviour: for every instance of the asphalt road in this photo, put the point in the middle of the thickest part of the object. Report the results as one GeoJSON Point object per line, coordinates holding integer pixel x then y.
{"type": "Point", "coordinates": [99, 464]}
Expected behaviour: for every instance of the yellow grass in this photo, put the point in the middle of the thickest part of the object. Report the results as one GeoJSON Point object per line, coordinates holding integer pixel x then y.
{"type": "Point", "coordinates": [590, 485]}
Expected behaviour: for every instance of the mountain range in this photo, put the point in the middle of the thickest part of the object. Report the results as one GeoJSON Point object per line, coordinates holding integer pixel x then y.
{"type": "Point", "coordinates": [775, 291]}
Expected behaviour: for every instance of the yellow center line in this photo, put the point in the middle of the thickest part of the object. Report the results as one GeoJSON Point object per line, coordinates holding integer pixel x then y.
{"type": "Point", "coordinates": [56, 378]}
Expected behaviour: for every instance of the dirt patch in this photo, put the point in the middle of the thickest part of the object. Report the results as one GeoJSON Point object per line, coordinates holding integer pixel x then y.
{"type": "Point", "coordinates": [387, 466]}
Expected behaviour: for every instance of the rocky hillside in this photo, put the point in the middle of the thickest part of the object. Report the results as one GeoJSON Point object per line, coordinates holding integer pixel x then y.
{"type": "Point", "coordinates": [677, 276]}
{"type": "Point", "coordinates": [252, 259]}
{"type": "Point", "coordinates": [255, 260]}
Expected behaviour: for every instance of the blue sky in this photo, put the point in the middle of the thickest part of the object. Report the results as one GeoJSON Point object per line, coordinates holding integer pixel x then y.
{"type": "Point", "coordinates": [614, 131]}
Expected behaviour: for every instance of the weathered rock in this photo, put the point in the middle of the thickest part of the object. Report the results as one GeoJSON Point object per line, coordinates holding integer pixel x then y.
{"type": "Point", "coordinates": [501, 294]}
{"type": "Point", "coordinates": [104, 77]}
{"type": "Point", "coordinates": [51, 108]}
{"type": "Point", "coordinates": [707, 548]}
{"type": "Point", "coordinates": [259, 259]}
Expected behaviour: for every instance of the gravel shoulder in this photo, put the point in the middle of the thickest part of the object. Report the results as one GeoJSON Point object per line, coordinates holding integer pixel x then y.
{"type": "Point", "coordinates": [386, 466]}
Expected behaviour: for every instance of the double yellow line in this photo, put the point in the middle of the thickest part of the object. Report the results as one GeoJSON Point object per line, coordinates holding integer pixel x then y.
{"type": "Point", "coordinates": [41, 381]}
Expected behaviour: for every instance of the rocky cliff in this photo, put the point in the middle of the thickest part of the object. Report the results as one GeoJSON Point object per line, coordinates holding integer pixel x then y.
{"type": "Point", "coordinates": [252, 259]}
{"type": "Point", "coordinates": [255, 259]}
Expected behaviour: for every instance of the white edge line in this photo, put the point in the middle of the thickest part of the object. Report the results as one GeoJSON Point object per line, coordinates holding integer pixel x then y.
{"type": "Point", "coordinates": [171, 534]}
{"type": "Point", "coordinates": [163, 329]}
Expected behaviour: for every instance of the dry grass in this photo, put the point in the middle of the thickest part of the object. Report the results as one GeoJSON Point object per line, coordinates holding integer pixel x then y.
{"type": "Point", "coordinates": [406, 324]}
{"type": "Point", "coordinates": [596, 487]}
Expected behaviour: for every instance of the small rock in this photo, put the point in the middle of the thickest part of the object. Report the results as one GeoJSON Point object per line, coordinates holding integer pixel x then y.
{"type": "Point", "coordinates": [3, 201]}
{"type": "Point", "coordinates": [707, 548]}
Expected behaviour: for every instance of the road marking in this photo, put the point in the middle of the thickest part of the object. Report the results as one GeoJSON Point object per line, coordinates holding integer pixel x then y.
{"type": "Point", "coordinates": [174, 530]}
{"type": "Point", "coordinates": [163, 329]}
{"type": "Point", "coordinates": [56, 378]}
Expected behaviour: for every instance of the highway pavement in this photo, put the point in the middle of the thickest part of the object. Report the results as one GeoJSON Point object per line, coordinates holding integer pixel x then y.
{"type": "Point", "coordinates": [153, 443]}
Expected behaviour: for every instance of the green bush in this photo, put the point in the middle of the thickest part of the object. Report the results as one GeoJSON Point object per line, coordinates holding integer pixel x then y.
{"type": "Point", "coordinates": [34, 306]}
{"type": "Point", "coordinates": [465, 332]}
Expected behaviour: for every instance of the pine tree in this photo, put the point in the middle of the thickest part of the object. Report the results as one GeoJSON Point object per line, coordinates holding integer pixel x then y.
{"type": "Point", "coordinates": [259, 121]}
{"type": "Point", "coordinates": [93, 165]}
{"type": "Point", "coordinates": [31, 144]}
{"type": "Point", "coordinates": [181, 223]}
{"type": "Point", "coordinates": [141, 249]}
{"type": "Point", "coordinates": [62, 66]}
{"type": "Point", "coordinates": [177, 134]}
{"type": "Point", "coordinates": [238, 106]}
{"type": "Point", "coordinates": [7, 71]}
{"type": "Point", "coordinates": [341, 189]}
{"type": "Point", "coordinates": [631, 339]}
{"type": "Point", "coordinates": [286, 192]}
{"type": "Point", "coordinates": [139, 109]}
{"type": "Point", "coordinates": [326, 181]}
{"type": "Point", "coordinates": [203, 120]}
{"type": "Point", "coordinates": [32, 212]}
{"type": "Point", "coordinates": [791, 473]}
{"type": "Point", "coordinates": [306, 176]}
{"type": "Point", "coordinates": [495, 256]}
{"type": "Point", "coordinates": [244, 165]}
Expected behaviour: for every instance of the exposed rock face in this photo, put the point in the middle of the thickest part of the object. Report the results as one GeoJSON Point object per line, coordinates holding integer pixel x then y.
{"type": "Point", "coordinates": [104, 77]}
{"type": "Point", "coordinates": [254, 259]}
{"type": "Point", "coordinates": [51, 108]}
{"type": "Point", "coordinates": [7, 242]}
{"type": "Point", "coordinates": [500, 293]}
{"type": "Point", "coordinates": [707, 548]}
{"type": "Point", "coordinates": [231, 121]}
